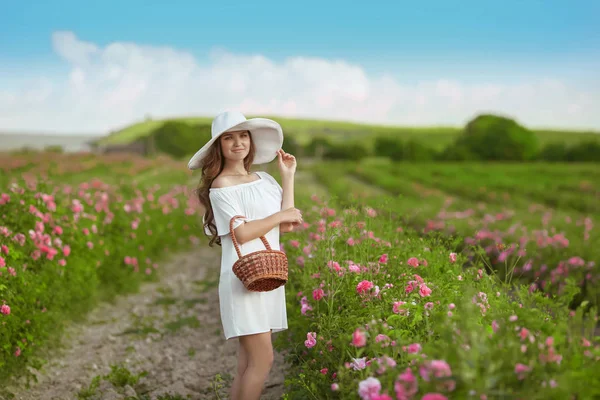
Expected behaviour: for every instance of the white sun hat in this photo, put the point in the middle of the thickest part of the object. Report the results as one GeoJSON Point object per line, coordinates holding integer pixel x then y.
{"type": "Point", "coordinates": [267, 136]}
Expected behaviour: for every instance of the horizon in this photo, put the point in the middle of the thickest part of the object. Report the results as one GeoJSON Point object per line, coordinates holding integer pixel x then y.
{"type": "Point", "coordinates": [276, 118]}
{"type": "Point", "coordinates": [92, 70]}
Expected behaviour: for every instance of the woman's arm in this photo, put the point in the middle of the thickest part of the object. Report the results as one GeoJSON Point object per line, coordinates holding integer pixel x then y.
{"type": "Point", "coordinates": [287, 169]}
{"type": "Point", "coordinates": [257, 228]}
{"type": "Point", "coordinates": [287, 201]}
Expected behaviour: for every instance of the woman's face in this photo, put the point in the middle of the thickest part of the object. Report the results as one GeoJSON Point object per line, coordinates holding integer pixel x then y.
{"type": "Point", "coordinates": [235, 145]}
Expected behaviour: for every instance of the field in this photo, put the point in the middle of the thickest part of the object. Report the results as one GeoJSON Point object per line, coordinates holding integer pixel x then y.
{"type": "Point", "coordinates": [304, 129]}
{"type": "Point", "coordinates": [542, 216]}
{"type": "Point", "coordinates": [77, 230]}
{"type": "Point", "coordinates": [406, 282]}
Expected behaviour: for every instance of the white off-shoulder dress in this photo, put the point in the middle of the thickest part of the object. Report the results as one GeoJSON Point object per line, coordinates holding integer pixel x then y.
{"type": "Point", "coordinates": [244, 312]}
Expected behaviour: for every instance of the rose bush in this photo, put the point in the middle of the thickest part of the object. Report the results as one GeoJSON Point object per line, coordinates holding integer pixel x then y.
{"type": "Point", "coordinates": [68, 241]}
{"type": "Point", "coordinates": [378, 312]}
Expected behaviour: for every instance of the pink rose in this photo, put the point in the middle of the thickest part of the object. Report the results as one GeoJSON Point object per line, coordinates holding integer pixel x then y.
{"type": "Point", "coordinates": [413, 262]}
{"type": "Point", "coordinates": [424, 291]}
{"type": "Point", "coordinates": [359, 338]}
{"type": "Point", "coordinates": [364, 286]}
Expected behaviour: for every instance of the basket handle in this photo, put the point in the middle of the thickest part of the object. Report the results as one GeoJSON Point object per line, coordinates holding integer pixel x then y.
{"type": "Point", "coordinates": [234, 240]}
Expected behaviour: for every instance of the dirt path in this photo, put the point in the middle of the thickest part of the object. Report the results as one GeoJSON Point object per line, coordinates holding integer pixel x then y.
{"type": "Point", "coordinates": [170, 329]}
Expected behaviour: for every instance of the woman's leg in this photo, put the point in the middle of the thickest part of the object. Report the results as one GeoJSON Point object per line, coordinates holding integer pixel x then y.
{"type": "Point", "coordinates": [242, 364]}
{"type": "Point", "coordinates": [259, 352]}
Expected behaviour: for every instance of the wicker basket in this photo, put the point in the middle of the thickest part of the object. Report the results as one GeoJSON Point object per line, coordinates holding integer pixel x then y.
{"type": "Point", "coordinates": [260, 271]}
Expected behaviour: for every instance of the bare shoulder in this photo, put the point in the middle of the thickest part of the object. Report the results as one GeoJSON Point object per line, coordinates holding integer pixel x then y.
{"type": "Point", "coordinates": [221, 181]}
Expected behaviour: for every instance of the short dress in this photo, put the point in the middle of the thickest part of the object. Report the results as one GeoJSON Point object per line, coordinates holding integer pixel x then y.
{"type": "Point", "coordinates": [244, 312]}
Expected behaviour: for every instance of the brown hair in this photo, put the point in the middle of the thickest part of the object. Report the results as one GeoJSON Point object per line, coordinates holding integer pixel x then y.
{"type": "Point", "coordinates": [212, 165]}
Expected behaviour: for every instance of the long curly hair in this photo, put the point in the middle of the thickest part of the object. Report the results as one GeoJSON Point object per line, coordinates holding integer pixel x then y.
{"type": "Point", "coordinates": [212, 166]}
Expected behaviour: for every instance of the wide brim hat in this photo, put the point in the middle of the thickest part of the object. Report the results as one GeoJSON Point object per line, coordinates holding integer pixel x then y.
{"type": "Point", "coordinates": [267, 136]}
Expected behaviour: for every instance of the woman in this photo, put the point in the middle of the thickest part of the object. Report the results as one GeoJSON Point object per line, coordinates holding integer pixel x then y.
{"type": "Point", "coordinates": [228, 188]}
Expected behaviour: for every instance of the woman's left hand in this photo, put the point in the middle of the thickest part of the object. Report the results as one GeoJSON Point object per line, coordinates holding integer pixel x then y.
{"type": "Point", "coordinates": [287, 163]}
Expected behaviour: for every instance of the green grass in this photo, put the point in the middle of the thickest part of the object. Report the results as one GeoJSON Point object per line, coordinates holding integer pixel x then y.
{"type": "Point", "coordinates": [304, 129]}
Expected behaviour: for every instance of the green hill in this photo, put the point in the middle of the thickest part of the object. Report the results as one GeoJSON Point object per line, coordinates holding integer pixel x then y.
{"type": "Point", "coordinates": [303, 129]}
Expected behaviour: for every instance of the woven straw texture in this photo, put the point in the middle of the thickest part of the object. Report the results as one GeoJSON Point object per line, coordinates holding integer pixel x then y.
{"type": "Point", "coordinates": [259, 271]}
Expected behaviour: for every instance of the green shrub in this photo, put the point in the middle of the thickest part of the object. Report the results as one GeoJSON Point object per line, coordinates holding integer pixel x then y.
{"type": "Point", "coordinates": [346, 151]}
{"type": "Point", "coordinates": [554, 152]}
{"type": "Point", "coordinates": [291, 145]}
{"type": "Point", "coordinates": [317, 146]}
{"type": "Point", "coordinates": [416, 151]}
{"type": "Point", "coordinates": [178, 139]}
{"type": "Point", "coordinates": [386, 146]}
{"type": "Point", "coordinates": [584, 152]}
{"type": "Point", "coordinates": [54, 149]}
{"type": "Point", "coordinates": [497, 138]}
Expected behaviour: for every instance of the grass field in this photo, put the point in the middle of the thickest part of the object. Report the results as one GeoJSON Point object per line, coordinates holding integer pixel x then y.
{"type": "Point", "coordinates": [304, 129]}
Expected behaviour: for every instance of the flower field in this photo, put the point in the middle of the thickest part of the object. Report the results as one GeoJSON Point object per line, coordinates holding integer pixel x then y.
{"type": "Point", "coordinates": [534, 223]}
{"type": "Point", "coordinates": [380, 311]}
{"type": "Point", "coordinates": [387, 298]}
{"type": "Point", "coordinates": [77, 229]}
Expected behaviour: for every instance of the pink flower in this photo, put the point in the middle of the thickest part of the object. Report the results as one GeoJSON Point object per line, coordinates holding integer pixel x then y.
{"type": "Point", "coordinates": [495, 326]}
{"type": "Point", "coordinates": [354, 268]}
{"type": "Point", "coordinates": [2, 262]}
{"type": "Point", "coordinates": [311, 340]}
{"type": "Point", "coordinates": [5, 309]}
{"type": "Point", "coordinates": [434, 396]}
{"type": "Point", "coordinates": [383, 259]}
{"type": "Point", "coordinates": [438, 369]}
{"type": "Point", "coordinates": [429, 306]}
{"type": "Point", "coordinates": [406, 385]}
{"type": "Point", "coordinates": [413, 262]}
{"type": "Point", "coordinates": [5, 249]}
{"type": "Point", "coordinates": [382, 338]}
{"type": "Point", "coordinates": [359, 338]}
{"type": "Point", "coordinates": [369, 388]}
{"type": "Point", "coordinates": [359, 363]}
{"type": "Point", "coordinates": [398, 309]}
{"type": "Point", "coordinates": [414, 348]}
{"type": "Point", "coordinates": [424, 291]}
{"type": "Point", "coordinates": [66, 251]}
{"type": "Point", "coordinates": [383, 396]}
{"type": "Point", "coordinates": [335, 387]}
{"type": "Point", "coordinates": [452, 258]}
{"type": "Point", "coordinates": [364, 286]}
{"type": "Point", "coordinates": [324, 371]}
{"type": "Point", "coordinates": [318, 294]}
{"type": "Point", "coordinates": [304, 306]}
{"type": "Point", "coordinates": [18, 352]}
{"type": "Point", "coordinates": [513, 318]}
{"type": "Point", "coordinates": [521, 370]}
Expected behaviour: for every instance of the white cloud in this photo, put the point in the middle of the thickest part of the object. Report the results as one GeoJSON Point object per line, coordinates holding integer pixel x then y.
{"type": "Point", "coordinates": [113, 86]}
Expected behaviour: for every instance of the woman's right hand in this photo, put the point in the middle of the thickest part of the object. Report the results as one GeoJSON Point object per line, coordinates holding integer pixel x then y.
{"type": "Point", "coordinates": [292, 215]}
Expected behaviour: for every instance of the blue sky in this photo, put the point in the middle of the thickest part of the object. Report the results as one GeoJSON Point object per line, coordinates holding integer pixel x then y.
{"type": "Point", "coordinates": [470, 41]}
{"type": "Point", "coordinates": [374, 34]}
